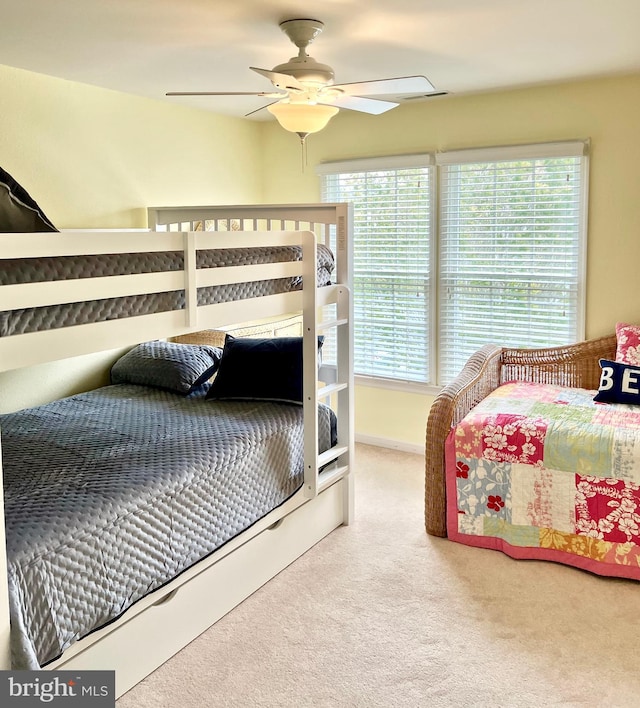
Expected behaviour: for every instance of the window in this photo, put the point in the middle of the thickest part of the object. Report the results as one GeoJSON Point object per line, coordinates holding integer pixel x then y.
{"type": "Point", "coordinates": [505, 264]}
{"type": "Point", "coordinates": [393, 292]}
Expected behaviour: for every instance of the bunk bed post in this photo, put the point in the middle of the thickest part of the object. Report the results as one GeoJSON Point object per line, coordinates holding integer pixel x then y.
{"type": "Point", "coordinates": [310, 364]}
{"type": "Point", "coordinates": [346, 423]}
{"type": "Point", "coordinates": [346, 430]}
{"type": "Point", "coordinates": [5, 648]}
{"type": "Point", "coordinates": [190, 285]}
{"type": "Point", "coordinates": [152, 220]}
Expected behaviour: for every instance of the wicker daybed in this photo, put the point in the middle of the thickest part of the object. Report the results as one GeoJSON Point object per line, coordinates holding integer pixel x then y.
{"type": "Point", "coordinates": [576, 365]}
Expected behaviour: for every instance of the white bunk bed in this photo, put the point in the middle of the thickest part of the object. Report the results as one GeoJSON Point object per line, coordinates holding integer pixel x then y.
{"type": "Point", "coordinates": [163, 622]}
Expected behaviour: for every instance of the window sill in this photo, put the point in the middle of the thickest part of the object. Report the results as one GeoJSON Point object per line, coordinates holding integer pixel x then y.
{"type": "Point", "coordinates": [398, 385]}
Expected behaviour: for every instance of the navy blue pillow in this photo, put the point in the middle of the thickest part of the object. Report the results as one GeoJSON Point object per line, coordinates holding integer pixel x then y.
{"type": "Point", "coordinates": [180, 368]}
{"type": "Point", "coordinates": [619, 383]}
{"type": "Point", "coordinates": [260, 369]}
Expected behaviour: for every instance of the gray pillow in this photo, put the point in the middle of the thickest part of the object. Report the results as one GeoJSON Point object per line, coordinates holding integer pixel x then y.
{"type": "Point", "coordinates": [180, 368]}
{"type": "Point", "coordinates": [19, 213]}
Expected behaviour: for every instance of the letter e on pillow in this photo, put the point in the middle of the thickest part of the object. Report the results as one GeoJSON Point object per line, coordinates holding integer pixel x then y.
{"type": "Point", "coordinates": [629, 377]}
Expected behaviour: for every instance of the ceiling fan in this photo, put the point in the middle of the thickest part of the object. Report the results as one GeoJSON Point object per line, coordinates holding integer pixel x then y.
{"type": "Point", "coordinates": [307, 98]}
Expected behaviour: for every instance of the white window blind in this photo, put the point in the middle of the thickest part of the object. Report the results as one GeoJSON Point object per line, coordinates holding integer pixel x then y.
{"type": "Point", "coordinates": [506, 265]}
{"type": "Point", "coordinates": [392, 265]}
{"type": "Point", "coordinates": [511, 255]}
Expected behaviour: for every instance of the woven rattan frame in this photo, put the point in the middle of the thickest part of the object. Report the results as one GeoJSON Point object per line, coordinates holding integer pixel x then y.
{"type": "Point", "coordinates": [576, 366]}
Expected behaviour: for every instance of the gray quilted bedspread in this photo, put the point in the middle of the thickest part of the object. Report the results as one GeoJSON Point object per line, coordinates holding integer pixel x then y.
{"type": "Point", "coordinates": [29, 270]}
{"type": "Point", "coordinates": [112, 493]}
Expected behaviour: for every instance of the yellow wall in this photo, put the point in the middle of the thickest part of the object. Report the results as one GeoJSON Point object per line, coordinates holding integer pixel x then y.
{"type": "Point", "coordinates": [604, 110]}
{"type": "Point", "coordinates": [35, 385]}
{"type": "Point", "coordinates": [97, 158]}
{"type": "Point", "coordinates": [93, 157]}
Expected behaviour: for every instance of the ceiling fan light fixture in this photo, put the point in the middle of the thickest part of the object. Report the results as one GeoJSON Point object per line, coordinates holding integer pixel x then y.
{"type": "Point", "coordinates": [302, 118]}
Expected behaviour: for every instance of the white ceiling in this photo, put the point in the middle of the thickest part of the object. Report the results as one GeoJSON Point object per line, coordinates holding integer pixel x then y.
{"type": "Point", "coordinates": [149, 47]}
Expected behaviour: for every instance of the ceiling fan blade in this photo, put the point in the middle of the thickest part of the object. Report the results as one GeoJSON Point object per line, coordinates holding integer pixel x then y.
{"type": "Point", "coordinates": [281, 81]}
{"type": "Point", "coordinates": [225, 93]}
{"type": "Point", "coordinates": [388, 87]}
{"type": "Point", "coordinates": [373, 106]}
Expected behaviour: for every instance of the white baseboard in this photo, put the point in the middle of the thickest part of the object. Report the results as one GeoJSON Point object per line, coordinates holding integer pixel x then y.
{"type": "Point", "coordinates": [390, 443]}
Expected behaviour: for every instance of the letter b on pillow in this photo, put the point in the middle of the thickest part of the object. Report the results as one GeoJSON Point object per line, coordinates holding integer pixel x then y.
{"type": "Point", "coordinates": [606, 378]}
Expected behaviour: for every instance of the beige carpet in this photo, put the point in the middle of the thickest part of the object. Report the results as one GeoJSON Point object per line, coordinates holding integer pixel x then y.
{"type": "Point", "coordinates": [380, 614]}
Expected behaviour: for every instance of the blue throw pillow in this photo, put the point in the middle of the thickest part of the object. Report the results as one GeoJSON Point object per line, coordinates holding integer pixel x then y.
{"type": "Point", "coordinates": [260, 369]}
{"type": "Point", "coordinates": [619, 383]}
{"type": "Point", "coordinates": [180, 368]}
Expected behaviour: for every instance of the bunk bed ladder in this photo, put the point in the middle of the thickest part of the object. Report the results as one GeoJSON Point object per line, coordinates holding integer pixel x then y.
{"type": "Point", "coordinates": [336, 463]}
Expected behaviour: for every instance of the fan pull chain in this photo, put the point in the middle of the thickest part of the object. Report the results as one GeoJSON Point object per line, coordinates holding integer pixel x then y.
{"type": "Point", "coordinates": [303, 150]}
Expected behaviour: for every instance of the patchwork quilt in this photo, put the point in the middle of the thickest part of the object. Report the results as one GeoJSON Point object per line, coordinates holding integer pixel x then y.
{"type": "Point", "coordinates": [543, 472]}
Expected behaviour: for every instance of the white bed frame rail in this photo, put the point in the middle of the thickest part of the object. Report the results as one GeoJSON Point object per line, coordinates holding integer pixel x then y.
{"type": "Point", "coordinates": [189, 229]}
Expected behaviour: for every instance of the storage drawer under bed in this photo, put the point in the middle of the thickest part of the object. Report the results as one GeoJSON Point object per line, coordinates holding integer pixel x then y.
{"type": "Point", "coordinates": [137, 646]}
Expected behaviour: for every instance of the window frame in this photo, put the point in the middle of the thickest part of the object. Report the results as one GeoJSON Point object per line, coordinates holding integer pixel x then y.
{"type": "Point", "coordinates": [437, 160]}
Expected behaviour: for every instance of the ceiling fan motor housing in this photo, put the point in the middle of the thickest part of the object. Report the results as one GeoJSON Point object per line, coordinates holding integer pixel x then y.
{"type": "Point", "coordinates": [303, 67]}
{"type": "Point", "coordinates": [307, 70]}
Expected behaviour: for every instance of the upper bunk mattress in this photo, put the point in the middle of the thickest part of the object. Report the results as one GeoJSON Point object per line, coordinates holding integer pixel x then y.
{"type": "Point", "coordinates": [32, 270]}
{"type": "Point", "coordinates": [111, 494]}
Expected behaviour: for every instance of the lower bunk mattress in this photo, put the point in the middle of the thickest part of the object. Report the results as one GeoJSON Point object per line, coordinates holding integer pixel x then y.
{"type": "Point", "coordinates": [111, 494]}
{"type": "Point", "coordinates": [543, 472]}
